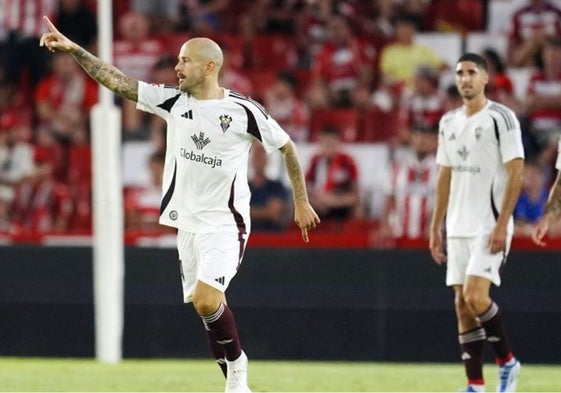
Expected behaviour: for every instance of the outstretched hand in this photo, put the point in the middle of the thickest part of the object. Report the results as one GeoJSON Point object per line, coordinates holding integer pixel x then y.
{"type": "Point", "coordinates": [306, 218]}
{"type": "Point", "coordinates": [55, 40]}
{"type": "Point", "coordinates": [540, 231]}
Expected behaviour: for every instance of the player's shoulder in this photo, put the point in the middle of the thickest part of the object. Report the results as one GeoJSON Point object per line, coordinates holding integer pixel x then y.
{"type": "Point", "coordinates": [248, 103]}
{"type": "Point", "coordinates": [451, 115]}
{"type": "Point", "coordinates": [502, 114]}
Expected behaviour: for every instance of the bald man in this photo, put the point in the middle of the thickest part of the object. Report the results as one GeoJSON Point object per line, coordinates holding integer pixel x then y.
{"type": "Point", "coordinates": [206, 195]}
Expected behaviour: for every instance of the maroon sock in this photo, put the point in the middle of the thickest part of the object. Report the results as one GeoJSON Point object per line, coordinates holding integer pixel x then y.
{"type": "Point", "coordinates": [493, 323]}
{"type": "Point", "coordinates": [223, 327]}
{"type": "Point", "coordinates": [472, 343]}
{"type": "Point", "coordinates": [217, 351]}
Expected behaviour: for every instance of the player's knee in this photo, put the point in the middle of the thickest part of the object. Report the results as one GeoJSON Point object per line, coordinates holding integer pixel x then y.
{"type": "Point", "coordinates": [205, 305]}
{"type": "Point", "coordinates": [476, 301]}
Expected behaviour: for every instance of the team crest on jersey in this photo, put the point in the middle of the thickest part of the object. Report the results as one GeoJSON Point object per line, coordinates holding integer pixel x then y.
{"type": "Point", "coordinates": [478, 132]}
{"type": "Point", "coordinates": [173, 215]}
{"type": "Point", "coordinates": [225, 121]}
{"type": "Point", "coordinates": [463, 152]}
{"type": "Point", "coordinates": [200, 141]}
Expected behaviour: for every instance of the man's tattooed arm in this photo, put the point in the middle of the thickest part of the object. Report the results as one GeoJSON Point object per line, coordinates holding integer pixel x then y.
{"type": "Point", "coordinates": [295, 172]}
{"type": "Point", "coordinates": [107, 74]}
{"type": "Point", "coordinates": [553, 207]}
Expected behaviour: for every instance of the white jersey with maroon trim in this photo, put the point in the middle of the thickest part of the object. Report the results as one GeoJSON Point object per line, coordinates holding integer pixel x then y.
{"type": "Point", "coordinates": [476, 148]}
{"type": "Point", "coordinates": [208, 141]}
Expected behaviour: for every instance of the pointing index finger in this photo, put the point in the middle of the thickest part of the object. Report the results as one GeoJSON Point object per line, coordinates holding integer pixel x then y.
{"type": "Point", "coordinates": [50, 25]}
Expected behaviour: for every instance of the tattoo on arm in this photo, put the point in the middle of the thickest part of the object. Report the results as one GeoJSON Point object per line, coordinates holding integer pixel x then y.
{"type": "Point", "coordinates": [107, 74]}
{"type": "Point", "coordinates": [295, 172]}
{"type": "Point", "coordinates": [553, 207]}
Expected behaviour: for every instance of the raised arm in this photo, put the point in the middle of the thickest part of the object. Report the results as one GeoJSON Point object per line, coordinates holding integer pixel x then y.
{"type": "Point", "coordinates": [304, 215]}
{"type": "Point", "coordinates": [103, 72]}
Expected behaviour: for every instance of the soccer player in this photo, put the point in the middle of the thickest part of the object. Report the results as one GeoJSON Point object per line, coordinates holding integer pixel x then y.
{"type": "Point", "coordinates": [481, 160]}
{"type": "Point", "coordinates": [552, 208]}
{"type": "Point", "coordinates": [209, 133]}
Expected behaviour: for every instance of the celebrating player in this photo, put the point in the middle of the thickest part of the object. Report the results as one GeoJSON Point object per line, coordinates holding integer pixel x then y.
{"type": "Point", "coordinates": [210, 130]}
{"type": "Point", "coordinates": [481, 159]}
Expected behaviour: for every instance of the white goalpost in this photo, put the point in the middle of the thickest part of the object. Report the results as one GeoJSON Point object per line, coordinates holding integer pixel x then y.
{"type": "Point", "coordinates": [108, 250]}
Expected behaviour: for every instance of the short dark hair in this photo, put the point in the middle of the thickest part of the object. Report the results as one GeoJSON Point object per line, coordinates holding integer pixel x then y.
{"type": "Point", "coordinates": [474, 58]}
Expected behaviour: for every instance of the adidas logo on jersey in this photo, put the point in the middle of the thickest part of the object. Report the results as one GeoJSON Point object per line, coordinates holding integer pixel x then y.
{"type": "Point", "coordinates": [220, 280]}
{"type": "Point", "coordinates": [188, 114]}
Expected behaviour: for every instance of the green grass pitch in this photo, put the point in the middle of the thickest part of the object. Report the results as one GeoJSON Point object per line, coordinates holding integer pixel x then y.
{"type": "Point", "coordinates": [87, 375]}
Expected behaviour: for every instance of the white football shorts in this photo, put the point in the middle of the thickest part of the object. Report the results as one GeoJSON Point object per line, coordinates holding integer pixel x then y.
{"type": "Point", "coordinates": [213, 258]}
{"type": "Point", "coordinates": [470, 256]}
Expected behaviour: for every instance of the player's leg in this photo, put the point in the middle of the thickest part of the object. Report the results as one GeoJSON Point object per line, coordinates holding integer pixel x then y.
{"type": "Point", "coordinates": [471, 335]}
{"type": "Point", "coordinates": [484, 268]}
{"type": "Point", "coordinates": [472, 341]}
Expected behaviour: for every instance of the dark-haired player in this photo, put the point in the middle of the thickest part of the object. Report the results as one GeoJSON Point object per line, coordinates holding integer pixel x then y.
{"type": "Point", "coordinates": [481, 159]}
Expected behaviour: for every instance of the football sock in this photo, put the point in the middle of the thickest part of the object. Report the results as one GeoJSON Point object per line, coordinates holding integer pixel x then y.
{"type": "Point", "coordinates": [471, 344]}
{"type": "Point", "coordinates": [493, 323]}
{"type": "Point", "coordinates": [217, 350]}
{"type": "Point", "coordinates": [223, 326]}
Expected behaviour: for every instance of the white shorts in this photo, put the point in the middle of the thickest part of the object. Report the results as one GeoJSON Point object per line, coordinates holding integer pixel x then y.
{"type": "Point", "coordinates": [213, 258]}
{"type": "Point", "coordinates": [470, 256]}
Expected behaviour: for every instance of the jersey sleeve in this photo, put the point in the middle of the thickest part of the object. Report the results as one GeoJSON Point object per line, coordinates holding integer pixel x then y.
{"type": "Point", "coordinates": [271, 135]}
{"type": "Point", "coordinates": [152, 98]}
{"type": "Point", "coordinates": [558, 162]}
{"type": "Point", "coordinates": [441, 153]}
{"type": "Point", "coordinates": [510, 136]}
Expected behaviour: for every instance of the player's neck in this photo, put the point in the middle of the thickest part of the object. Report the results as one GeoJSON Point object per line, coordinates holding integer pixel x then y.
{"type": "Point", "coordinates": [475, 104]}
{"type": "Point", "coordinates": [214, 92]}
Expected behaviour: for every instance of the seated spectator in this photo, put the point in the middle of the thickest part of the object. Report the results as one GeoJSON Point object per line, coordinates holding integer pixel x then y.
{"type": "Point", "coordinates": [410, 188]}
{"type": "Point", "coordinates": [332, 178]}
{"type": "Point", "coordinates": [142, 204]}
{"type": "Point", "coordinates": [201, 17]}
{"type": "Point", "coordinates": [16, 164]}
{"type": "Point", "coordinates": [290, 112]}
{"type": "Point", "coordinates": [135, 53]}
{"type": "Point", "coordinates": [543, 101]}
{"type": "Point", "coordinates": [268, 17]}
{"type": "Point", "coordinates": [78, 22]}
{"type": "Point", "coordinates": [499, 88]}
{"type": "Point", "coordinates": [460, 16]}
{"type": "Point", "coordinates": [400, 59]}
{"type": "Point", "coordinates": [269, 198]}
{"type": "Point", "coordinates": [530, 26]}
{"type": "Point", "coordinates": [41, 205]}
{"type": "Point", "coordinates": [63, 101]}
{"type": "Point", "coordinates": [342, 69]}
{"type": "Point", "coordinates": [532, 200]}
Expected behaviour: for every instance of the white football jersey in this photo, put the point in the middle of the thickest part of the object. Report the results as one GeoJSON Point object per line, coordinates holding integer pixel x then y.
{"type": "Point", "coordinates": [476, 148]}
{"type": "Point", "coordinates": [205, 185]}
{"type": "Point", "coordinates": [558, 162]}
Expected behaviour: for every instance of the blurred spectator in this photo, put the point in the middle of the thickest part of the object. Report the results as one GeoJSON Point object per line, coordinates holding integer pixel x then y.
{"type": "Point", "coordinates": [424, 104]}
{"type": "Point", "coordinates": [16, 164]}
{"type": "Point", "coordinates": [333, 179]}
{"type": "Point", "coordinates": [410, 188]}
{"type": "Point", "coordinates": [461, 16]}
{"type": "Point", "coordinates": [499, 88]}
{"type": "Point", "coordinates": [142, 204]}
{"type": "Point", "coordinates": [342, 69]}
{"type": "Point", "coordinates": [21, 25]}
{"type": "Point", "coordinates": [63, 100]}
{"type": "Point", "coordinates": [543, 101]}
{"type": "Point", "coordinates": [377, 22]}
{"type": "Point", "coordinates": [201, 17]}
{"type": "Point", "coordinates": [269, 17]}
{"type": "Point", "coordinates": [400, 59]}
{"type": "Point", "coordinates": [532, 200]}
{"type": "Point", "coordinates": [530, 26]}
{"type": "Point", "coordinates": [165, 15]}
{"type": "Point", "coordinates": [14, 102]}
{"type": "Point", "coordinates": [41, 204]}
{"type": "Point", "coordinates": [290, 112]}
{"type": "Point", "coordinates": [415, 10]}
{"type": "Point", "coordinates": [230, 74]}
{"type": "Point", "coordinates": [452, 98]}
{"type": "Point", "coordinates": [269, 198]}
{"type": "Point", "coordinates": [78, 22]}
{"type": "Point", "coordinates": [136, 53]}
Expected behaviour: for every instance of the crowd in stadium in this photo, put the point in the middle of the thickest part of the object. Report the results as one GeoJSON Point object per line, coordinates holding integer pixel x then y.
{"type": "Point", "coordinates": [344, 79]}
